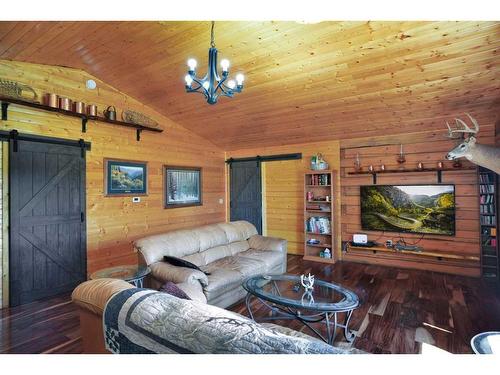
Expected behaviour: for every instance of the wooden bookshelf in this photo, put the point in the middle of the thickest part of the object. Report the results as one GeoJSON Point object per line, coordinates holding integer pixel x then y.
{"type": "Point", "coordinates": [488, 223]}
{"type": "Point", "coordinates": [320, 185]}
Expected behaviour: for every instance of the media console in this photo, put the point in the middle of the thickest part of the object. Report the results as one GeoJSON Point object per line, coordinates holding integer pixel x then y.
{"type": "Point", "coordinates": [426, 259]}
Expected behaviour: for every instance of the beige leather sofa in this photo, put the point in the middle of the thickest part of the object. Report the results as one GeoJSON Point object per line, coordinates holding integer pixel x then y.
{"type": "Point", "coordinates": [230, 252]}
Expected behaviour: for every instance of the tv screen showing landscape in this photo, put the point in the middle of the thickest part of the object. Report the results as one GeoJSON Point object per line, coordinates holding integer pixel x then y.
{"type": "Point", "coordinates": [428, 209]}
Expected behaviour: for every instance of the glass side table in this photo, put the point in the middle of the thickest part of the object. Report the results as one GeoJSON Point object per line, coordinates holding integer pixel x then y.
{"type": "Point", "coordinates": [133, 274]}
{"type": "Point", "coordinates": [481, 343]}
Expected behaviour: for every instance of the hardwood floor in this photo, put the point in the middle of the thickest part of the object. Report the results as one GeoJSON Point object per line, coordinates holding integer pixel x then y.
{"type": "Point", "coordinates": [401, 309]}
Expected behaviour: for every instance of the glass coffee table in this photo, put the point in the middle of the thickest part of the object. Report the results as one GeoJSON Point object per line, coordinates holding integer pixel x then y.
{"type": "Point", "coordinates": [287, 299]}
{"type": "Point", "coordinates": [133, 274]}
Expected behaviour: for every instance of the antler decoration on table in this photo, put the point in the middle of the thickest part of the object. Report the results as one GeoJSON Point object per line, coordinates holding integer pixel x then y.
{"type": "Point", "coordinates": [307, 282]}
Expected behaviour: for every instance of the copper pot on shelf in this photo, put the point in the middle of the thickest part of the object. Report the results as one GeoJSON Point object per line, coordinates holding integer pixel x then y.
{"type": "Point", "coordinates": [65, 104]}
{"type": "Point", "coordinates": [92, 110]}
{"type": "Point", "coordinates": [52, 100]}
{"type": "Point", "coordinates": [79, 107]}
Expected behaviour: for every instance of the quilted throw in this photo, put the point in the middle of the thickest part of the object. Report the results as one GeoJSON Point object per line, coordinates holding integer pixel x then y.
{"type": "Point", "coordinates": [146, 321]}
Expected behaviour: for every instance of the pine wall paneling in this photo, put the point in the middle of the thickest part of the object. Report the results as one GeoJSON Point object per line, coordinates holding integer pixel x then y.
{"type": "Point", "coordinates": [384, 150]}
{"type": "Point", "coordinates": [113, 223]}
{"type": "Point", "coordinates": [283, 184]}
{"type": "Point", "coordinates": [344, 79]}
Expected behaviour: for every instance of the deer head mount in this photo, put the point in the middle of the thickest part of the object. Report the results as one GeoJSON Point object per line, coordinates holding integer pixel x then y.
{"type": "Point", "coordinates": [483, 155]}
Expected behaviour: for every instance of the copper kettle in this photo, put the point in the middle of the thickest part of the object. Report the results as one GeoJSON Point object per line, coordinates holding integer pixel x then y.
{"type": "Point", "coordinates": [110, 113]}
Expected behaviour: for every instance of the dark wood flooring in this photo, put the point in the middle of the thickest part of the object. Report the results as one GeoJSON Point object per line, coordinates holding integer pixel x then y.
{"type": "Point", "coordinates": [401, 311]}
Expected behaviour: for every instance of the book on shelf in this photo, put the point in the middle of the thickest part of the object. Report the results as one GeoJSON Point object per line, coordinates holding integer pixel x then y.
{"type": "Point", "coordinates": [493, 232]}
{"type": "Point", "coordinates": [487, 209]}
{"type": "Point", "coordinates": [488, 220]}
{"type": "Point", "coordinates": [485, 178]}
{"type": "Point", "coordinates": [486, 199]}
{"type": "Point", "coordinates": [318, 224]}
{"type": "Point", "coordinates": [487, 189]}
{"type": "Point", "coordinates": [319, 179]}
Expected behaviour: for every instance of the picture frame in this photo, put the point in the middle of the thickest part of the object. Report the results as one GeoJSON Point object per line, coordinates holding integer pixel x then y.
{"type": "Point", "coordinates": [182, 186]}
{"type": "Point", "coordinates": [125, 177]}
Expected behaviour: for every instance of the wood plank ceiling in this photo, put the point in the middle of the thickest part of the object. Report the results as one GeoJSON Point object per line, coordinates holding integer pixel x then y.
{"type": "Point", "coordinates": [304, 82]}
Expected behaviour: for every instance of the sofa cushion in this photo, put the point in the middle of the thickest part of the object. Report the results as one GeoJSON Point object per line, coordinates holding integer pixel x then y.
{"type": "Point", "coordinates": [238, 247]}
{"type": "Point", "coordinates": [164, 272]}
{"type": "Point", "coordinates": [178, 244]}
{"type": "Point", "coordinates": [270, 258]}
{"type": "Point", "coordinates": [238, 230]}
{"type": "Point", "coordinates": [222, 280]}
{"type": "Point", "coordinates": [210, 236]}
{"type": "Point", "coordinates": [229, 273]}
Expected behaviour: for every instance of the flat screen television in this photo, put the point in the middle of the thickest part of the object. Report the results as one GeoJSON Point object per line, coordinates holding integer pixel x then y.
{"type": "Point", "coordinates": [428, 209]}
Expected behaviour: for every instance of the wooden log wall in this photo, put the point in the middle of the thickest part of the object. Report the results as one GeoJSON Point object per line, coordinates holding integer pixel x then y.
{"type": "Point", "coordinates": [113, 223]}
{"type": "Point", "coordinates": [283, 189]}
{"type": "Point", "coordinates": [428, 148]}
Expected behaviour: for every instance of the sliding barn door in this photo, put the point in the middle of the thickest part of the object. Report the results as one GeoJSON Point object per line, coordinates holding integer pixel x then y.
{"type": "Point", "coordinates": [47, 220]}
{"type": "Point", "coordinates": [246, 192]}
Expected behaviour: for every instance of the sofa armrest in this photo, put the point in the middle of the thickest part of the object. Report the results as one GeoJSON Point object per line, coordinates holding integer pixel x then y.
{"type": "Point", "coordinates": [92, 295]}
{"type": "Point", "coordinates": [163, 272]}
{"type": "Point", "coordinates": [259, 242]}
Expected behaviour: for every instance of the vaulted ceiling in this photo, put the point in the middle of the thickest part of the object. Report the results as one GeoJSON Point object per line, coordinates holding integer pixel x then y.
{"type": "Point", "coordinates": [304, 82]}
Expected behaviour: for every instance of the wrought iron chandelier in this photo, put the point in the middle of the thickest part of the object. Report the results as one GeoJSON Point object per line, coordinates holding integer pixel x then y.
{"type": "Point", "coordinates": [212, 86]}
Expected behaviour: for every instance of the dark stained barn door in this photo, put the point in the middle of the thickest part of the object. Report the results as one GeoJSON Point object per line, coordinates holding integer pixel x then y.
{"type": "Point", "coordinates": [47, 220]}
{"type": "Point", "coordinates": [246, 192]}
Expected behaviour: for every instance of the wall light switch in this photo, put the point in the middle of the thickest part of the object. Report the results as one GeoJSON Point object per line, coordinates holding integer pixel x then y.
{"type": "Point", "coordinates": [221, 201]}
{"type": "Point", "coordinates": [136, 199]}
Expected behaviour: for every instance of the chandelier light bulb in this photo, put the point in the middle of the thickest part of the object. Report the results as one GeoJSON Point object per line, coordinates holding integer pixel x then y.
{"type": "Point", "coordinates": [240, 78]}
{"type": "Point", "coordinates": [224, 64]}
{"type": "Point", "coordinates": [206, 85]}
{"type": "Point", "coordinates": [188, 80]}
{"type": "Point", "coordinates": [231, 84]}
{"type": "Point", "coordinates": [192, 64]}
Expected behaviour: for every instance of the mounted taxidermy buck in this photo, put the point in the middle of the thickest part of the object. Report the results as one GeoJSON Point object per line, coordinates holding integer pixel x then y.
{"type": "Point", "coordinates": [483, 155]}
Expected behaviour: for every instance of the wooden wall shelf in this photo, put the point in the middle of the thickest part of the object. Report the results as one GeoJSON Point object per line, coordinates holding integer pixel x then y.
{"type": "Point", "coordinates": [426, 253]}
{"type": "Point", "coordinates": [85, 118]}
{"type": "Point", "coordinates": [415, 170]}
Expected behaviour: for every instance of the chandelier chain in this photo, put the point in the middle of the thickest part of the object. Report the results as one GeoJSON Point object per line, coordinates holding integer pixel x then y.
{"type": "Point", "coordinates": [212, 35]}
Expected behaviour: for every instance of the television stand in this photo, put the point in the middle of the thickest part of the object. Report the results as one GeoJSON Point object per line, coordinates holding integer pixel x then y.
{"type": "Point", "coordinates": [426, 259]}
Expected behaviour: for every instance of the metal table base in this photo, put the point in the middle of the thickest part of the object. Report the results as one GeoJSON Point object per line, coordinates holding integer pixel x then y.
{"type": "Point", "coordinates": [330, 319]}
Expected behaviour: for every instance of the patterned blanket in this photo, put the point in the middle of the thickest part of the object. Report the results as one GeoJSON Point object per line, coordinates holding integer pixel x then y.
{"type": "Point", "coordinates": [146, 321]}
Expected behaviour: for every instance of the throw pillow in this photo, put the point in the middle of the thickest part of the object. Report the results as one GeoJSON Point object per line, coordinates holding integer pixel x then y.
{"type": "Point", "coordinates": [172, 289]}
{"type": "Point", "coordinates": [182, 263]}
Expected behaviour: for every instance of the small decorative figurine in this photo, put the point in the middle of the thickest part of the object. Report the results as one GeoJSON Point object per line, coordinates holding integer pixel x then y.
{"type": "Point", "coordinates": [307, 282]}
{"type": "Point", "coordinates": [440, 165]}
{"type": "Point", "coordinates": [420, 166]}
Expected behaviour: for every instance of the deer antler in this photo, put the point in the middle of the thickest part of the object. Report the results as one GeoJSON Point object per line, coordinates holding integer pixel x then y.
{"type": "Point", "coordinates": [465, 130]}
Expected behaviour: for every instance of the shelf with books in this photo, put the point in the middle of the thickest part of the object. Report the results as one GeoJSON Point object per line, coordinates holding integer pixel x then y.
{"type": "Point", "coordinates": [488, 223]}
{"type": "Point", "coordinates": [319, 220]}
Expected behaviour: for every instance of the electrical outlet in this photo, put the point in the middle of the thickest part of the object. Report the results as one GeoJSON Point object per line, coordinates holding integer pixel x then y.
{"type": "Point", "coordinates": [136, 199]}
{"type": "Point", "coordinates": [221, 201]}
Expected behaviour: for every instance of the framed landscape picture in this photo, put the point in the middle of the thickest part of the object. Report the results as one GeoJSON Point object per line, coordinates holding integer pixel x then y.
{"type": "Point", "coordinates": [124, 177]}
{"type": "Point", "coordinates": [182, 186]}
